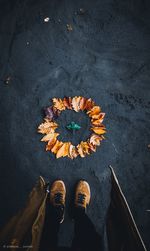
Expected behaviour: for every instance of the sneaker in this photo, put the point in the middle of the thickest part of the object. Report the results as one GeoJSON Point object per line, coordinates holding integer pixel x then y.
{"type": "Point", "coordinates": [82, 195]}
{"type": "Point", "coordinates": [57, 198]}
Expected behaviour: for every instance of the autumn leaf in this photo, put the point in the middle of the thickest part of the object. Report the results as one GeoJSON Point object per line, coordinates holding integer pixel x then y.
{"type": "Point", "coordinates": [99, 130]}
{"type": "Point", "coordinates": [50, 144]}
{"type": "Point", "coordinates": [49, 136]}
{"type": "Point", "coordinates": [94, 111]}
{"type": "Point", "coordinates": [47, 127]}
{"type": "Point", "coordinates": [83, 149]}
{"type": "Point", "coordinates": [95, 139]}
{"type": "Point", "coordinates": [82, 103]}
{"type": "Point", "coordinates": [97, 122]}
{"type": "Point", "coordinates": [67, 101]}
{"type": "Point", "coordinates": [56, 146]}
{"type": "Point", "coordinates": [89, 104]}
{"type": "Point", "coordinates": [72, 152]}
{"type": "Point", "coordinates": [63, 150]}
{"type": "Point", "coordinates": [58, 104]}
{"type": "Point", "coordinates": [51, 113]}
{"type": "Point", "coordinates": [76, 103]}
{"type": "Point", "coordinates": [92, 147]}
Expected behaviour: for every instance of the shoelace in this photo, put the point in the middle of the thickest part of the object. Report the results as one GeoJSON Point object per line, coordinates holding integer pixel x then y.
{"type": "Point", "coordinates": [81, 198]}
{"type": "Point", "coordinates": [58, 198]}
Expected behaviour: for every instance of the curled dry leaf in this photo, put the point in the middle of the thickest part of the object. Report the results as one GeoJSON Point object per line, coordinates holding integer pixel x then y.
{"type": "Point", "coordinates": [92, 147]}
{"type": "Point", "coordinates": [95, 139]}
{"type": "Point", "coordinates": [97, 122]}
{"type": "Point", "coordinates": [47, 127]}
{"type": "Point", "coordinates": [99, 130]}
{"type": "Point", "coordinates": [94, 111]}
{"type": "Point", "coordinates": [82, 103]}
{"type": "Point", "coordinates": [67, 101]}
{"type": "Point", "coordinates": [51, 112]}
{"type": "Point", "coordinates": [49, 136]}
{"type": "Point", "coordinates": [50, 144]}
{"type": "Point", "coordinates": [72, 152]}
{"type": "Point", "coordinates": [89, 104]}
{"type": "Point", "coordinates": [58, 104]}
{"type": "Point", "coordinates": [63, 150]}
{"type": "Point", "coordinates": [83, 149]}
{"type": "Point", "coordinates": [76, 103]}
{"type": "Point", "coordinates": [56, 146]}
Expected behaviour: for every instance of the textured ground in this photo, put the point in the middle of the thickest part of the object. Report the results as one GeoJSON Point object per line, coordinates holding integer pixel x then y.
{"type": "Point", "coordinates": [107, 57]}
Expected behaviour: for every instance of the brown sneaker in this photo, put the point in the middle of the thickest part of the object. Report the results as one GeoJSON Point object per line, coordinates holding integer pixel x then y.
{"type": "Point", "coordinates": [57, 198]}
{"type": "Point", "coordinates": [82, 194]}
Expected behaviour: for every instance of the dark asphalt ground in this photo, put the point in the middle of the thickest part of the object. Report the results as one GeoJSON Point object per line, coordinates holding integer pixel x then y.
{"type": "Point", "coordinates": [106, 57]}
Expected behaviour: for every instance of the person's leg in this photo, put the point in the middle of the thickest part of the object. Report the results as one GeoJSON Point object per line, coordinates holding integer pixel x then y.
{"type": "Point", "coordinates": [86, 238]}
{"type": "Point", "coordinates": [54, 216]}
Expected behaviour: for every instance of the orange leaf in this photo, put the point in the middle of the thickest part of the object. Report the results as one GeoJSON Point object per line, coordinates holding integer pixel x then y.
{"type": "Point", "coordinates": [97, 122]}
{"type": "Point", "coordinates": [49, 136]}
{"type": "Point", "coordinates": [50, 144]}
{"type": "Point", "coordinates": [94, 111]}
{"type": "Point", "coordinates": [82, 103]}
{"type": "Point", "coordinates": [63, 150]}
{"type": "Point", "coordinates": [47, 127]}
{"type": "Point", "coordinates": [83, 149]}
{"type": "Point", "coordinates": [92, 147]}
{"type": "Point", "coordinates": [99, 130]}
{"type": "Point", "coordinates": [58, 104]}
{"type": "Point", "coordinates": [56, 147]}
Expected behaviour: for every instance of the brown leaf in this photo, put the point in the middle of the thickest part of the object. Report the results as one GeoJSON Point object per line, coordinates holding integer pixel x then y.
{"type": "Point", "coordinates": [68, 102]}
{"type": "Point", "coordinates": [47, 127]}
{"type": "Point", "coordinates": [49, 136]}
{"type": "Point", "coordinates": [72, 152]}
{"type": "Point", "coordinates": [99, 130]}
{"type": "Point", "coordinates": [89, 104]}
{"type": "Point", "coordinates": [56, 147]}
{"type": "Point", "coordinates": [58, 104]}
{"type": "Point", "coordinates": [63, 150]}
{"type": "Point", "coordinates": [95, 139]}
{"type": "Point", "coordinates": [83, 149]}
{"type": "Point", "coordinates": [94, 111]}
{"type": "Point", "coordinates": [76, 103]}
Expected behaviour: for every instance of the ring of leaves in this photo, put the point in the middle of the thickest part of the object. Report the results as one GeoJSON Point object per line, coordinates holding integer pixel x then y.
{"type": "Point", "coordinates": [49, 126]}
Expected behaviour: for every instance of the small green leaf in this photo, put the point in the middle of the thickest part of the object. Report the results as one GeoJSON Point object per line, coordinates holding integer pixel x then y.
{"type": "Point", "coordinates": [73, 126]}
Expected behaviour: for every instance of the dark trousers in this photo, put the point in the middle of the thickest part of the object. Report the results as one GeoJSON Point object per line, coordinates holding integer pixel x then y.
{"type": "Point", "coordinates": [85, 239]}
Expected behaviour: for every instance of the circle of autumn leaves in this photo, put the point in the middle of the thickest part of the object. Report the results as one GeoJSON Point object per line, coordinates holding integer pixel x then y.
{"type": "Point", "coordinates": [49, 126]}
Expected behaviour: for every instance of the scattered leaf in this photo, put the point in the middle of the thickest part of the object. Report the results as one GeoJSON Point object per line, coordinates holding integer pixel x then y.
{"type": "Point", "coordinates": [58, 104]}
{"type": "Point", "coordinates": [69, 27]}
{"type": "Point", "coordinates": [63, 150]}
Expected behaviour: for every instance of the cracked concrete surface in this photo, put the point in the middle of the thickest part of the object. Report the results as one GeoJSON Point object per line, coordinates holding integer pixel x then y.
{"type": "Point", "coordinates": [106, 57]}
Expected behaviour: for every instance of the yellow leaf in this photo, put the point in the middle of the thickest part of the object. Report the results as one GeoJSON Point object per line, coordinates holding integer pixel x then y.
{"type": "Point", "coordinates": [58, 104]}
{"type": "Point", "coordinates": [49, 137]}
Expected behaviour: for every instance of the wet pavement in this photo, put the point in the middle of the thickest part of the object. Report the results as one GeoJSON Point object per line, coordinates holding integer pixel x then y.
{"type": "Point", "coordinates": [97, 49]}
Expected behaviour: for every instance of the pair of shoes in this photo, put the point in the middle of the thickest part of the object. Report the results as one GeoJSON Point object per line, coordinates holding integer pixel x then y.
{"type": "Point", "coordinates": [58, 196]}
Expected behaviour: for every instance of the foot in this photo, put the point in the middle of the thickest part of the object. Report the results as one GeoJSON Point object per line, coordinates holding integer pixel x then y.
{"type": "Point", "coordinates": [82, 195]}
{"type": "Point", "coordinates": [57, 198]}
